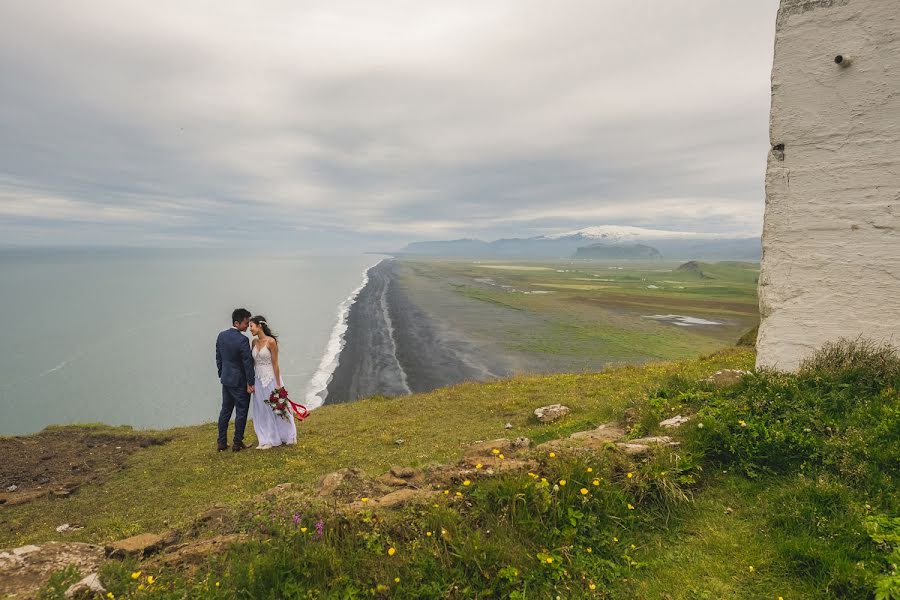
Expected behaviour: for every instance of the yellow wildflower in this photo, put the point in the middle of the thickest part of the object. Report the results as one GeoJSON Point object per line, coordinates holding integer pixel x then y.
{"type": "Point", "coordinates": [751, 568]}
{"type": "Point", "coordinates": [428, 534]}
{"type": "Point", "coordinates": [446, 492]}
{"type": "Point", "coordinates": [593, 586]}
{"type": "Point", "coordinates": [562, 482]}
{"type": "Point", "coordinates": [140, 587]}
{"type": "Point", "coordinates": [136, 574]}
{"type": "Point", "coordinates": [495, 451]}
{"type": "Point", "coordinates": [392, 551]}
{"type": "Point", "coordinates": [110, 595]}
{"type": "Point", "coordinates": [549, 560]}
{"type": "Point", "coordinates": [303, 530]}
{"type": "Point", "coordinates": [364, 500]}
{"type": "Point", "coordinates": [501, 457]}
{"type": "Point", "coordinates": [615, 539]}
{"type": "Point", "coordinates": [150, 579]}
{"type": "Point", "coordinates": [595, 482]}
{"type": "Point", "coordinates": [552, 455]}
{"type": "Point", "coordinates": [589, 550]}
{"type": "Point", "coordinates": [630, 507]}
{"type": "Point", "coordinates": [396, 580]}
{"type": "Point", "coordinates": [217, 584]}
{"type": "Point", "coordinates": [590, 470]}
{"type": "Point", "coordinates": [584, 491]}
{"type": "Point", "coordinates": [458, 494]}
{"type": "Point", "coordinates": [742, 423]}
{"type": "Point", "coordinates": [478, 466]}
{"type": "Point", "coordinates": [629, 475]}
{"type": "Point", "coordinates": [467, 483]}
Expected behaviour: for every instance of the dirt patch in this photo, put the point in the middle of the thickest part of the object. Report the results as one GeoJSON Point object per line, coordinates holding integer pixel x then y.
{"type": "Point", "coordinates": [58, 461]}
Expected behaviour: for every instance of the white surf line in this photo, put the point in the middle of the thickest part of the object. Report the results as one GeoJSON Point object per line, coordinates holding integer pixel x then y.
{"type": "Point", "coordinates": [390, 325]}
{"type": "Point", "coordinates": [317, 388]}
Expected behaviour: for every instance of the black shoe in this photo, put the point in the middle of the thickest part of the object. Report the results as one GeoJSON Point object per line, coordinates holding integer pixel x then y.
{"type": "Point", "coordinates": [222, 447]}
{"type": "Point", "coordinates": [239, 447]}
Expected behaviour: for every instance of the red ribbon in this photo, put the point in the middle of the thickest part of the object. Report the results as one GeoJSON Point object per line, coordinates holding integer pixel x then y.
{"type": "Point", "coordinates": [299, 410]}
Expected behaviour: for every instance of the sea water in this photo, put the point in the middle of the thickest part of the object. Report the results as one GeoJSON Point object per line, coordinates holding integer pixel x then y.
{"type": "Point", "coordinates": [128, 337]}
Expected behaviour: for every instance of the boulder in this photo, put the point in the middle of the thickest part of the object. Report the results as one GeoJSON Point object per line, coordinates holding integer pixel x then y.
{"type": "Point", "coordinates": [89, 587]}
{"type": "Point", "coordinates": [549, 414]}
{"type": "Point", "coordinates": [605, 433]}
{"type": "Point", "coordinates": [676, 421]}
{"type": "Point", "coordinates": [503, 446]}
{"type": "Point", "coordinates": [25, 571]}
{"type": "Point", "coordinates": [140, 546]}
{"type": "Point", "coordinates": [403, 472]}
{"type": "Point", "coordinates": [196, 553]}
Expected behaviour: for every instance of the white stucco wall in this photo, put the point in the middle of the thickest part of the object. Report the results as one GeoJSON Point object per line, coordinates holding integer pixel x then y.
{"type": "Point", "coordinates": [831, 240]}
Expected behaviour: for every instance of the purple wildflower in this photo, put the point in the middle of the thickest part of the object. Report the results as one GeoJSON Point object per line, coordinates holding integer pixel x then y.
{"type": "Point", "coordinates": [320, 529]}
{"type": "Point", "coordinates": [296, 518]}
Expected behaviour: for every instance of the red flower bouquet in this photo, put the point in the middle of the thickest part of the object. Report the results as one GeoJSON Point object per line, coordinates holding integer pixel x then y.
{"type": "Point", "coordinates": [282, 405]}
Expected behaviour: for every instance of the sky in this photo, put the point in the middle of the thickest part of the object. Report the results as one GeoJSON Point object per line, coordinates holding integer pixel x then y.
{"type": "Point", "coordinates": [359, 125]}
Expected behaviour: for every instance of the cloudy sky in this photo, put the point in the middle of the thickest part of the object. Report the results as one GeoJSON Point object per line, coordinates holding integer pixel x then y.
{"type": "Point", "coordinates": [362, 124]}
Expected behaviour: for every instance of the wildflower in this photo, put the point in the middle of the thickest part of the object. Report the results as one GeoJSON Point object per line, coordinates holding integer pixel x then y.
{"type": "Point", "coordinates": [296, 518]}
{"type": "Point", "coordinates": [615, 539]}
{"type": "Point", "coordinates": [110, 595]}
{"type": "Point", "coordinates": [478, 466]}
{"type": "Point", "coordinates": [396, 580]}
{"type": "Point", "coordinates": [595, 482]}
{"type": "Point", "coordinates": [320, 529]}
{"type": "Point", "coordinates": [629, 475]}
{"type": "Point", "coordinates": [590, 469]}
{"type": "Point", "coordinates": [501, 457]}
{"type": "Point", "coordinates": [381, 588]}
{"type": "Point", "coordinates": [136, 574]}
{"type": "Point", "coordinates": [150, 579]}
{"type": "Point", "coordinates": [364, 500]}
{"type": "Point", "coordinates": [584, 491]}
{"type": "Point", "coordinates": [633, 547]}
{"type": "Point", "coordinates": [303, 530]}
{"type": "Point", "coordinates": [543, 480]}
{"type": "Point", "coordinates": [589, 550]}
{"type": "Point", "coordinates": [140, 587]}
{"type": "Point", "coordinates": [751, 568]}
{"type": "Point", "coordinates": [217, 584]}
{"type": "Point", "coordinates": [467, 483]}
{"type": "Point", "coordinates": [495, 451]}
{"type": "Point", "coordinates": [699, 425]}
{"type": "Point", "coordinates": [630, 507]}
{"type": "Point", "coordinates": [428, 533]}
{"type": "Point", "coordinates": [552, 455]}
{"type": "Point", "coordinates": [392, 551]}
{"type": "Point", "coordinates": [532, 475]}
{"type": "Point", "coordinates": [562, 482]}
{"type": "Point", "coordinates": [593, 586]}
{"type": "Point", "coordinates": [742, 423]}
{"type": "Point", "coordinates": [446, 492]}
{"type": "Point", "coordinates": [458, 494]}
{"type": "Point", "coordinates": [549, 560]}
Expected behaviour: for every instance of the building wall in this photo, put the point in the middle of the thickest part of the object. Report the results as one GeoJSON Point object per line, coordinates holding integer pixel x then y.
{"type": "Point", "coordinates": [831, 240]}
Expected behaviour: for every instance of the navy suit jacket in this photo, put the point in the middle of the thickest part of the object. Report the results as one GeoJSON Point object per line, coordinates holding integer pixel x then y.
{"type": "Point", "coordinates": [234, 359]}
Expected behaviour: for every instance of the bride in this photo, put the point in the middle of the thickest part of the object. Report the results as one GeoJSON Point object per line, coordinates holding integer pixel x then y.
{"type": "Point", "coordinates": [271, 430]}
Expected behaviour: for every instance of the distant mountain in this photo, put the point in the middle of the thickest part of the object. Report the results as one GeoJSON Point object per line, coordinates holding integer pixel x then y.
{"type": "Point", "coordinates": [675, 245]}
{"type": "Point", "coordinates": [620, 251]}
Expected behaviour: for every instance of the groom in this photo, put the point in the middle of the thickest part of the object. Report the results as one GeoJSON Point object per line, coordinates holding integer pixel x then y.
{"type": "Point", "coordinates": [235, 364]}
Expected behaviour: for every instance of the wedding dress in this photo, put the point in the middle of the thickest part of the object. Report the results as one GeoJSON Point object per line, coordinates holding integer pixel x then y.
{"type": "Point", "coordinates": [271, 430]}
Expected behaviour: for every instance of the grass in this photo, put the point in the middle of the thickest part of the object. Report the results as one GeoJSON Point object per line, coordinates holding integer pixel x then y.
{"type": "Point", "coordinates": [785, 486]}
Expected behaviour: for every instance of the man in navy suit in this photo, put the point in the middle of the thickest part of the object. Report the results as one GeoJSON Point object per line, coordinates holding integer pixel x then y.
{"type": "Point", "coordinates": [235, 363]}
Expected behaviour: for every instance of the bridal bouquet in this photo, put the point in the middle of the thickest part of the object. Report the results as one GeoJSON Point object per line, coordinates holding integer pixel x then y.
{"type": "Point", "coordinates": [282, 405]}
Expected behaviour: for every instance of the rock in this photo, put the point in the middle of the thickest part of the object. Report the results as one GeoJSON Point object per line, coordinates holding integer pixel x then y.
{"type": "Point", "coordinates": [25, 571]}
{"type": "Point", "coordinates": [554, 412]}
{"type": "Point", "coordinates": [391, 481]}
{"type": "Point", "coordinates": [330, 483]}
{"type": "Point", "coordinates": [66, 528]}
{"type": "Point", "coordinates": [12, 488]}
{"type": "Point", "coordinates": [196, 553]}
{"type": "Point", "coordinates": [603, 434]}
{"type": "Point", "coordinates": [725, 377]}
{"type": "Point", "coordinates": [676, 421]}
{"type": "Point", "coordinates": [43, 480]}
{"type": "Point", "coordinates": [660, 440]}
{"type": "Point", "coordinates": [88, 587]}
{"type": "Point", "coordinates": [399, 442]}
{"type": "Point", "coordinates": [634, 450]}
{"type": "Point", "coordinates": [216, 514]}
{"type": "Point", "coordinates": [508, 426]}
{"type": "Point", "coordinates": [403, 472]}
{"type": "Point", "coordinates": [272, 493]}
{"type": "Point", "coordinates": [403, 497]}
{"type": "Point", "coordinates": [139, 546]}
{"type": "Point", "coordinates": [631, 415]}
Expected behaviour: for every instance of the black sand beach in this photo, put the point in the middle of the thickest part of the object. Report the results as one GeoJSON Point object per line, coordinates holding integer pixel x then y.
{"type": "Point", "coordinates": [392, 347]}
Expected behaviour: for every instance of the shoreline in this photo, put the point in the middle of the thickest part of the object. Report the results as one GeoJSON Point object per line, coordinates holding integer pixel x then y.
{"type": "Point", "coordinates": [394, 348]}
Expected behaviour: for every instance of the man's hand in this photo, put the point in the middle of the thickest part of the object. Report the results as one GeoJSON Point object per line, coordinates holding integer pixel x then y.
{"type": "Point", "coordinates": [250, 389]}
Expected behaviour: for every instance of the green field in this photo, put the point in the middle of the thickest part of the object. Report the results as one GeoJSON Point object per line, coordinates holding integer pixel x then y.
{"type": "Point", "coordinates": [580, 315]}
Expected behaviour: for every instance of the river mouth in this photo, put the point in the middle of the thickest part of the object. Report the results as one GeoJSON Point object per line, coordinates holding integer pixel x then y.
{"type": "Point", "coordinates": [683, 320]}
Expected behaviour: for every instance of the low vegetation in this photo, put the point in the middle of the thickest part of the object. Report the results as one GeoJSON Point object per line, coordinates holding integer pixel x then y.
{"type": "Point", "coordinates": [785, 486]}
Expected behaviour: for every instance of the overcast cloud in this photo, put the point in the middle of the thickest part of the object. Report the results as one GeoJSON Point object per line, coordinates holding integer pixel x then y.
{"type": "Point", "coordinates": [368, 124]}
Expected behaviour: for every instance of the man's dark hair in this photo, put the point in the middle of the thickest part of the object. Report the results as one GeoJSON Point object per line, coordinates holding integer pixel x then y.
{"type": "Point", "coordinates": [239, 314]}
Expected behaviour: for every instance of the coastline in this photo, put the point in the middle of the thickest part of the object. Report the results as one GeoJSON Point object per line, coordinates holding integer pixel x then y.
{"type": "Point", "coordinates": [392, 347]}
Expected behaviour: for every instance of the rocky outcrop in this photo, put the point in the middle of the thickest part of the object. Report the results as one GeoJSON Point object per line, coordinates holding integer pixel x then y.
{"type": "Point", "coordinates": [25, 570]}
{"type": "Point", "coordinates": [549, 414]}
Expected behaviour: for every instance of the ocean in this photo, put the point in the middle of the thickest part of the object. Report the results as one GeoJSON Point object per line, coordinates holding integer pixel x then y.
{"type": "Point", "coordinates": [128, 337]}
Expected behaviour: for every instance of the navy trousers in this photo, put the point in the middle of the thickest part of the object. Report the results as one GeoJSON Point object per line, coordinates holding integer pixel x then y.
{"type": "Point", "coordinates": [234, 399]}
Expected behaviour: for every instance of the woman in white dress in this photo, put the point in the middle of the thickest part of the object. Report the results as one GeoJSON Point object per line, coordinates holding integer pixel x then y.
{"type": "Point", "coordinates": [271, 429]}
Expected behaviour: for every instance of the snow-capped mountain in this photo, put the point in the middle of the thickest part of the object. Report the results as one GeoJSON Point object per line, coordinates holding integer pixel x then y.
{"type": "Point", "coordinates": [670, 244]}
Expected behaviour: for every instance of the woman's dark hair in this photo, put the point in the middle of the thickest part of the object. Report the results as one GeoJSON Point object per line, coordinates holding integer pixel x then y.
{"type": "Point", "coordinates": [239, 314]}
{"type": "Point", "coordinates": [261, 321]}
